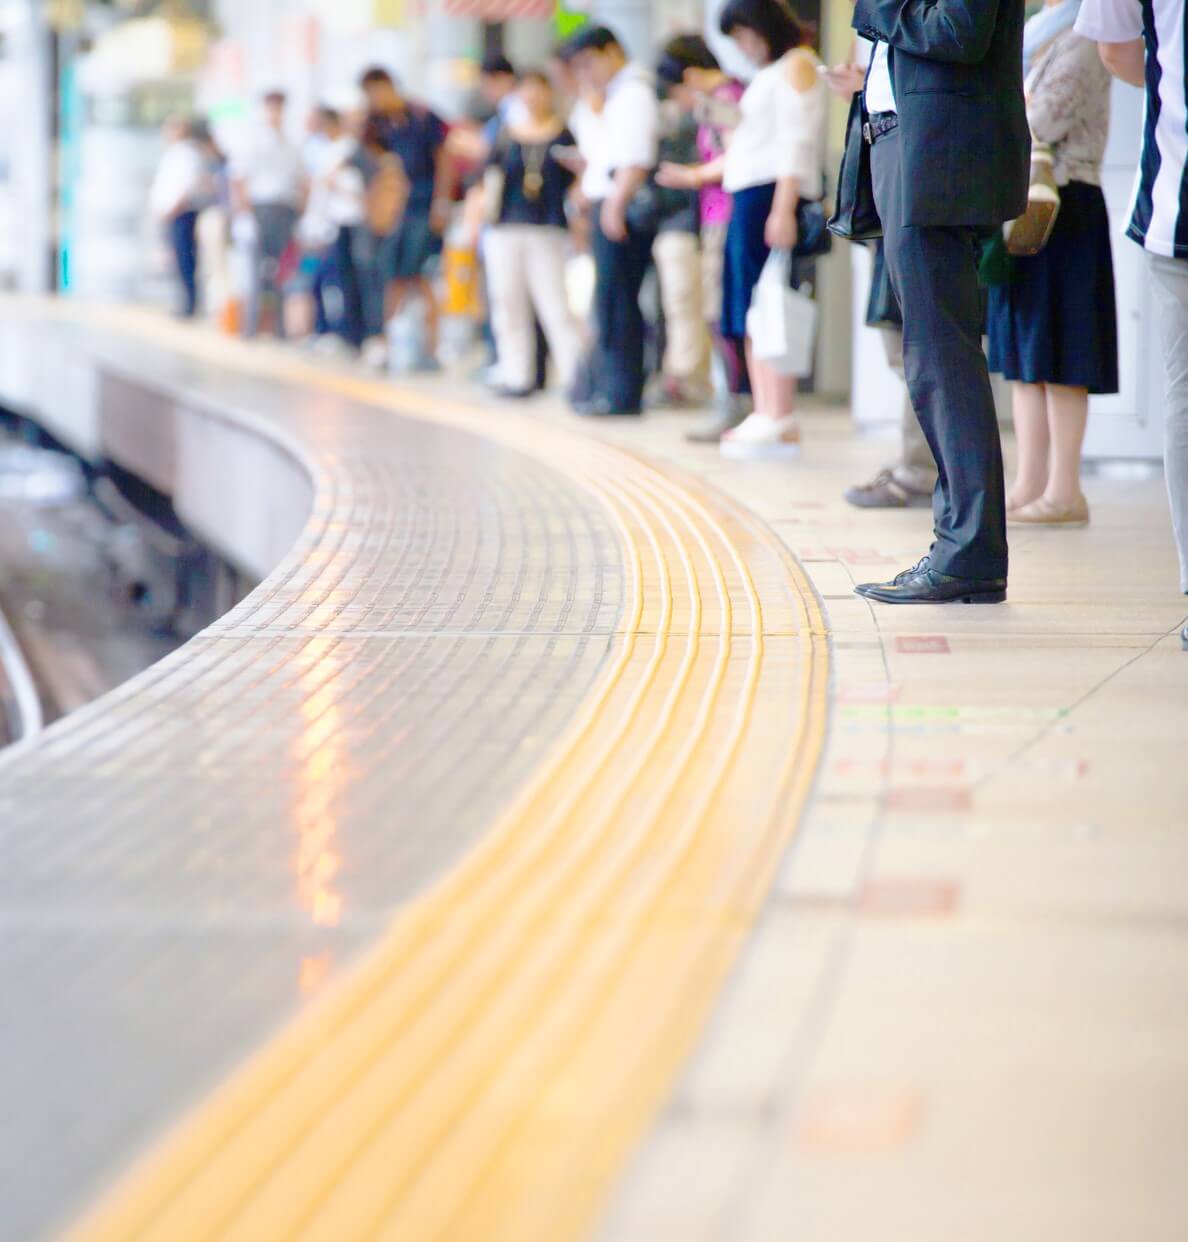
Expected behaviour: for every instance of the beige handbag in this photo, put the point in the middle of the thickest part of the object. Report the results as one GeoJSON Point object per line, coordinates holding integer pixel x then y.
{"type": "Point", "coordinates": [1029, 233]}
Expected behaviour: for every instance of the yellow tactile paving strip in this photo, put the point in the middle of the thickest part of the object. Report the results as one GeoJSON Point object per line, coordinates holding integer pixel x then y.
{"type": "Point", "coordinates": [486, 1070]}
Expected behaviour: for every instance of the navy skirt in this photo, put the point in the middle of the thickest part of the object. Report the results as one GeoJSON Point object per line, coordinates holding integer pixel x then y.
{"type": "Point", "coordinates": [1056, 321]}
{"type": "Point", "coordinates": [746, 253]}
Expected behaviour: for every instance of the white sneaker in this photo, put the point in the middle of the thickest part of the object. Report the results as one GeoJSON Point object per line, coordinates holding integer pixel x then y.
{"type": "Point", "coordinates": [331, 346]}
{"type": "Point", "coordinates": [759, 437]}
{"type": "Point", "coordinates": [375, 353]}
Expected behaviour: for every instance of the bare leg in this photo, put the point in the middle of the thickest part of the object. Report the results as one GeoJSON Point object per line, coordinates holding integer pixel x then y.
{"type": "Point", "coordinates": [1032, 442]}
{"type": "Point", "coordinates": [424, 287]}
{"type": "Point", "coordinates": [775, 394]}
{"type": "Point", "coordinates": [395, 297]}
{"type": "Point", "coordinates": [758, 374]}
{"type": "Point", "coordinates": [783, 393]}
{"type": "Point", "coordinates": [1068, 412]}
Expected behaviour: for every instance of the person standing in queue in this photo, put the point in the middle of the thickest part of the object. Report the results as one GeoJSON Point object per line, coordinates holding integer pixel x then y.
{"type": "Point", "coordinates": [268, 181]}
{"type": "Point", "coordinates": [684, 376]}
{"type": "Point", "coordinates": [527, 244]}
{"type": "Point", "coordinates": [697, 83]}
{"type": "Point", "coordinates": [1053, 326]}
{"type": "Point", "coordinates": [1143, 44]}
{"type": "Point", "coordinates": [499, 86]}
{"type": "Point", "coordinates": [910, 481]}
{"type": "Point", "coordinates": [178, 191]}
{"type": "Point", "coordinates": [772, 162]}
{"type": "Point", "coordinates": [624, 224]}
{"type": "Point", "coordinates": [417, 136]}
{"type": "Point", "coordinates": [950, 162]}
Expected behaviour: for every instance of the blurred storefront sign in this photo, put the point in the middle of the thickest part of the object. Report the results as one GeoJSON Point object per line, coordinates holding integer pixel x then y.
{"type": "Point", "coordinates": [65, 15]}
{"type": "Point", "coordinates": [500, 10]}
{"type": "Point", "coordinates": [300, 41]}
{"type": "Point", "coordinates": [147, 48]}
{"type": "Point", "coordinates": [570, 17]}
{"type": "Point", "coordinates": [113, 100]}
{"type": "Point", "coordinates": [391, 12]}
{"type": "Point", "coordinates": [226, 71]}
{"type": "Point", "coordinates": [343, 16]}
{"type": "Point", "coordinates": [356, 16]}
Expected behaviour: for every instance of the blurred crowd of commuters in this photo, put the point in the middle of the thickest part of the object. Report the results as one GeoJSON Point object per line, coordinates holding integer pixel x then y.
{"type": "Point", "coordinates": [673, 176]}
{"type": "Point", "coordinates": [678, 178]}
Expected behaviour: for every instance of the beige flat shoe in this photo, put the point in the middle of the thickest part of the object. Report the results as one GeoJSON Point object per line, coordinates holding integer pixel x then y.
{"type": "Point", "coordinates": [1012, 508]}
{"type": "Point", "coordinates": [1043, 513]}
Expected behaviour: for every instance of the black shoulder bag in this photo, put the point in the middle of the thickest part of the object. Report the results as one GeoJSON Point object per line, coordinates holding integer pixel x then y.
{"type": "Point", "coordinates": [856, 218]}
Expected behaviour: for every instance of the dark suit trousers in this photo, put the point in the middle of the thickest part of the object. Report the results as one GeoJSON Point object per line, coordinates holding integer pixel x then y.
{"type": "Point", "coordinates": [934, 273]}
{"type": "Point", "coordinates": [619, 355]}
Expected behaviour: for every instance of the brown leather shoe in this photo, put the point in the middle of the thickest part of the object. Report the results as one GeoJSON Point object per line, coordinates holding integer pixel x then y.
{"type": "Point", "coordinates": [884, 491]}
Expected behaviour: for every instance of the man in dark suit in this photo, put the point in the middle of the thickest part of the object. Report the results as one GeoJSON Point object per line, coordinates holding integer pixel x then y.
{"type": "Point", "coordinates": [950, 163]}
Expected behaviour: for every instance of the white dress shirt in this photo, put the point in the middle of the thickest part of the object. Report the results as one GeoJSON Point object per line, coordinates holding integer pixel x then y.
{"type": "Point", "coordinates": [180, 179]}
{"type": "Point", "coordinates": [586, 126]}
{"type": "Point", "coordinates": [337, 196]}
{"type": "Point", "coordinates": [625, 134]}
{"type": "Point", "coordinates": [631, 121]}
{"type": "Point", "coordinates": [880, 94]}
{"type": "Point", "coordinates": [780, 133]}
{"type": "Point", "coordinates": [272, 169]}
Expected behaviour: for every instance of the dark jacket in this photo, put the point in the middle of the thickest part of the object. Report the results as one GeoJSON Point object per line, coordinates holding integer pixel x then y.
{"type": "Point", "coordinates": [957, 72]}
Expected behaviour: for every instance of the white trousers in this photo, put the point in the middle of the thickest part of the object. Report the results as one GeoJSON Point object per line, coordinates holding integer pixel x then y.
{"type": "Point", "coordinates": [526, 276]}
{"type": "Point", "coordinates": [1171, 280]}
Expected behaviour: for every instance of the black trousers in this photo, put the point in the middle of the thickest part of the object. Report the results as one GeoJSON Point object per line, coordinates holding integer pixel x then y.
{"type": "Point", "coordinates": [934, 272]}
{"type": "Point", "coordinates": [618, 362]}
{"type": "Point", "coordinates": [183, 238]}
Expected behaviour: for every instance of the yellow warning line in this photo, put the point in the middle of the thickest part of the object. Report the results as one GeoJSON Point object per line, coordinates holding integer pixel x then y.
{"type": "Point", "coordinates": [485, 1071]}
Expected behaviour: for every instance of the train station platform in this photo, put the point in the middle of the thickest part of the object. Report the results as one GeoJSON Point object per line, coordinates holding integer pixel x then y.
{"type": "Point", "coordinates": [552, 846]}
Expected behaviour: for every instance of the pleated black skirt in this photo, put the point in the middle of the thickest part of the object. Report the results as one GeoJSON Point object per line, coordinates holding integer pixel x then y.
{"type": "Point", "coordinates": [1056, 321]}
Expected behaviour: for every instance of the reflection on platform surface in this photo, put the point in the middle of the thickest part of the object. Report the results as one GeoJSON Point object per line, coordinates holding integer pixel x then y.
{"type": "Point", "coordinates": [463, 881]}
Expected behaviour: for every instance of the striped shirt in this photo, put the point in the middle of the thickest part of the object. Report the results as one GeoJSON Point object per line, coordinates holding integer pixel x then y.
{"type": "Point", "coordinates": [1159, 217]}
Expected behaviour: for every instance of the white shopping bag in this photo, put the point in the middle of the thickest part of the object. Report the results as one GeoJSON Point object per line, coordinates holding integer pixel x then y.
{"type": "Point", "coordinates": [782, 322]}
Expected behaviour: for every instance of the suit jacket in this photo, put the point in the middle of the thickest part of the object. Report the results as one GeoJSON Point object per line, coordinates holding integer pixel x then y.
{"type": "Point", "coordinates": [957, 72]}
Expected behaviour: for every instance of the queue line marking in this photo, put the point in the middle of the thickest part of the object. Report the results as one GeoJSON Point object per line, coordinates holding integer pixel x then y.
{"type": "Point", "coordinates": [640, 910]}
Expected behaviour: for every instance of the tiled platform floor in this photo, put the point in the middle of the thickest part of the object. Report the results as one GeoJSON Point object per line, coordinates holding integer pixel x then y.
{"type": "Point", "coordinates": [965, 1015]}
{"type": "Point", "coordinates": [546, 987]}
{"type": "Point", "coordinates": [963, 1012]}
{"type": "Point", "coordinates": [186, 863]}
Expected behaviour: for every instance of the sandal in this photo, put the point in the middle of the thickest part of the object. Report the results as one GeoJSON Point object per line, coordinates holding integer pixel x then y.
{"type": "Point", "coordinates": [760, 436]}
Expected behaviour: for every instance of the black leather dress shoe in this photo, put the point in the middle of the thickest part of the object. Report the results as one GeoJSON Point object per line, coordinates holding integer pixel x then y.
{"type": "Point", "coordinates": [923, 585]}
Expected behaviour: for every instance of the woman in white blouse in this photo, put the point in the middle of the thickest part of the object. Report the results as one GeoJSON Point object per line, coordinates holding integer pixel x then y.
{"type": "Point", "coordinates": [773, 161]}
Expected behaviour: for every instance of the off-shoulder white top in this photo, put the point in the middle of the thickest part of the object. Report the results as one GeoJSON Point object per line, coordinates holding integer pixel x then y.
{"type": "Point", "coordinates": [781, 132]}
